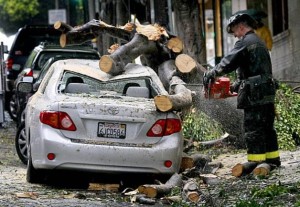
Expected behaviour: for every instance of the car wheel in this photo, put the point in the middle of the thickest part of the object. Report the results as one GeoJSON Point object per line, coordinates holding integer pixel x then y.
{"type": "Point", "coordinates": [20, 143]}
{"type": "Point", "coordinates": [33, 175]}
{"type": "Point", "coordinates": [12, 108]}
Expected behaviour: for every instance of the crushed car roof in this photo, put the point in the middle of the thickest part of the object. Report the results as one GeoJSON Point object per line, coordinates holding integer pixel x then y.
{"type": "Point", "coordinates": [91, 67]}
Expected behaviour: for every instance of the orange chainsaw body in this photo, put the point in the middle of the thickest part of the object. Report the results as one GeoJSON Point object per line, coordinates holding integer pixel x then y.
{"type": "Point", "coordinates": [219, 89]}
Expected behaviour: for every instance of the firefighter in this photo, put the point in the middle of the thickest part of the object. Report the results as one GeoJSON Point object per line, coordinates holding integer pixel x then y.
{"type": "Point", "coordinates": [255, 86]}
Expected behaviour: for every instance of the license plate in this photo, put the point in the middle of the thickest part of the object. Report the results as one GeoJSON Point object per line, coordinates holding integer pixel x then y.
{"type": "Point", "coordinates": [111, 130]}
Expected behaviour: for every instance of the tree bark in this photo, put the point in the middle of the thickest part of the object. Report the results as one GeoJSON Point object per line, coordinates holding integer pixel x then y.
{"type": "Point", "coordinates": [188, 26]}
{"type": "Point", "coordinates": [90, 30]}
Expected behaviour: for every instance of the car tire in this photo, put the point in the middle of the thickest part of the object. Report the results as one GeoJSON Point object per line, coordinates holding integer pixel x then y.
{"type": "Point", "coordinates": [20, 143]}
{"type": "Point", "coordinates": [33, 175]}
{"type": "Point", "coordinates": [12, 108]}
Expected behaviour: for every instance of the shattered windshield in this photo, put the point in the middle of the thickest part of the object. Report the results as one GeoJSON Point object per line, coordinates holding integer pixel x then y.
{"type": "Point", "coordinates": [78, 83]}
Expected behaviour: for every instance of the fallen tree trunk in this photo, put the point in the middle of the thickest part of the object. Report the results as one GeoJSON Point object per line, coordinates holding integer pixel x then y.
{"type": "Point", "coordinates": [243, 169]}
{"type": "Point", "coordinates": [63, 27]}
{"type": "Point", "coordinates": [90, 30]}
{"type": "Point", "coordinates": [151, 42]}
{"type": "Point", "coordinates": [154, 191]}
{"type": "Point", "coordinates": [114, 64]}
{"type": "Point", "coordinates": [182, 98]}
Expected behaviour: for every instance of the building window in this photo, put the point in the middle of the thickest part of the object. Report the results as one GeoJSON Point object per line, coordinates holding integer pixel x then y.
{"type": "Point", "coordinates": [280, 16]}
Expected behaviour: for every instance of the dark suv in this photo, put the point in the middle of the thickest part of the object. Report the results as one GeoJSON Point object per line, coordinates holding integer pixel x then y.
{"type": "Point", "coordinates": [26, 39]}
{"type": "Point", "coordinates": [37, 59]}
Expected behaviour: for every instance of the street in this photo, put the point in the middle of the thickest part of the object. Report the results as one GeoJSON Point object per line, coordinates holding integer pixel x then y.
{"type": "Point", "coordinates": [15, 191]}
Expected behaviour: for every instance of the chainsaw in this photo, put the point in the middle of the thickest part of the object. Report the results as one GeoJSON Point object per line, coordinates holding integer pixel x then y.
{"type": "Point", "coordinates": [218, 89]}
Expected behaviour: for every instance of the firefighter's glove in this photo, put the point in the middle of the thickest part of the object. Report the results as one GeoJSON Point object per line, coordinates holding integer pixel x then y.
{"type": "Point", "coordinates": [234, 87]}
{"type": "Point", "coordinates": [209, 77]}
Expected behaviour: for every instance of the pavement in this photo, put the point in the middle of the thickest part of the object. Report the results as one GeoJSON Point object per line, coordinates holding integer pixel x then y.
{"type": "Point", "coordinates": [15, 191]}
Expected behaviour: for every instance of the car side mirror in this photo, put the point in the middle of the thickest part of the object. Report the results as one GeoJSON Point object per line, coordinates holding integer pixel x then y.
{"type": "Point", "coordinates": [25, 87]}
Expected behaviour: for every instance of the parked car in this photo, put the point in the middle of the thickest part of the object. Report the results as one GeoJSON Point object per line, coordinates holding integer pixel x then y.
{"type": "Point", "coordinates": [38, 58]}
{"type": "Point", "coordinates": [80, 119]}
{"type": "Point", "coordinates": [25, 40]}
{"type": "Point", "coordinates": [22, 98]}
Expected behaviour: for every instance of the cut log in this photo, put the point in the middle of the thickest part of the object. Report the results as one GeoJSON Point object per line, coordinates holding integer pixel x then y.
{"type": "Point", "coordinates": [191, 191]}
{"type": "Point", "coordinates": [187, 162]}
{"type": "Point", "coordinates": [195, 160]}
{"type": "Point", "coordinates": [153, 191]}
{"type": "Point", "coordinates": [210, 179]}
{"type": "Point", "coordinates": [66, 39]}
{"type": "Point", "coordinates": [185, 63]}
{"type": "Point", "coordinates": [211, 167]}
{"type": "Point", "coordinates": [243, 169]}
{"type": "Point", "coordinates": [175, 180]}
{"type": "Point", "coordinates": [190, 185]}
{"type": "Point", "coordinates": [200, 160]}
{"type": "Point", "coordinates": [175, 44]}
{"type": "Point", "coordinates": [114, 64]}
{"type": "Point", "coordinates": [262, 169]}
{"type": "Point", "coordinates": [192, 196]}
{"type": "Point", "coordinates": [182, 98]}
{"type": "Point", "coordinates": [63, 27]}
{"type": "Point", "coordinates": [142, 199]}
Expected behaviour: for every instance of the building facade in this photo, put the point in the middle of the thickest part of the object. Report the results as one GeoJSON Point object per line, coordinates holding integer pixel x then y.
{"type": "Point", "coordinates": [282, 20]}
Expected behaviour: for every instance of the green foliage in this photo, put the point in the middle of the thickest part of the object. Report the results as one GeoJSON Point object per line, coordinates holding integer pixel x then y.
{"type": "Point", "coordinates": [247, 203]}
{"type": "Point", "coordinates": [19, 9]}
{"type": "Point", "coordinates": [269, 196]}
{"type": "Point", "coordinates": [200, 127]}
{"type": "Point", "coordinates": [269, 192]}
{"type": "Point", "coordinates": [287, 122]}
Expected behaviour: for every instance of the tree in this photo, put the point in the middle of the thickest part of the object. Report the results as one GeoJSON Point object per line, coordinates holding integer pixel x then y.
{"type": "Point", "coordinates": [15, 13]}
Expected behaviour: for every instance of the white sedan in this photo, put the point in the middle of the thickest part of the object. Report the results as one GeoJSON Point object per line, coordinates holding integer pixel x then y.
{"type": "Point", "coordinates": [84, 119]}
